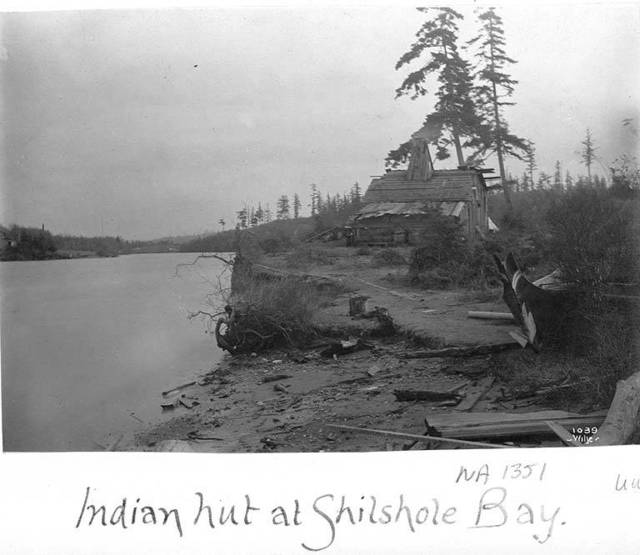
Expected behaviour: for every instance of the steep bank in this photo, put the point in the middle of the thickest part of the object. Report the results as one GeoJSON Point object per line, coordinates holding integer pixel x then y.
{"type": "Point", "coordinates": [285, 399]}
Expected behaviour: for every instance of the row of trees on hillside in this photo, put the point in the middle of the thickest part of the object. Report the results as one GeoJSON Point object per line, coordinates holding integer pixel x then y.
{"type": "Point", "coordinates": [321, 207]}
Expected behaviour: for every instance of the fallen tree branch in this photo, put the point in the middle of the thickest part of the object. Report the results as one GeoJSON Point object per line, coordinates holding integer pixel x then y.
{"type": "Point", "coordinates": [192, 315]}
{"type": "Point", "coordinates": [200, 256]}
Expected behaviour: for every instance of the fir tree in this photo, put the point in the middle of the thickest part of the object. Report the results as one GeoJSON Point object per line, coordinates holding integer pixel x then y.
{"type": "Point", "coordinates": [557, 177]}
{"type": "Point", "coordinates": [315, 199]}
{"type": "Point", "coordinates": [283, 208]}
{"type": "Point", "coordinates": [222, 223]}
{"type": "Point", "coordinates": [495, 85]}
{"type": "Point", "coordinates": [454, 111]}
{"type": "Point", "coordinates": [530, 160]}
{"type": "Point", "coordinates": [588, 153]}
{"type": "Point", "coordinates": [568, 181]}
{"type": "Point", "coordinates": [242, 217]}
{"type": "Point", "coordinates": [260, 213]}
{"type": "Point", "coordinates": [296, 206]}
{"type": "Point", "coordinates": [543, 180]}
{"type": "Point", "coordinates": [356, 196]}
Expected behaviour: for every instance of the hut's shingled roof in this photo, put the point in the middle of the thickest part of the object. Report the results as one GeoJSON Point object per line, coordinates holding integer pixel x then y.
{"type": "Point", "coordinates": [443, 185]}
{"type": "Point", "coordinates": [377, 209]}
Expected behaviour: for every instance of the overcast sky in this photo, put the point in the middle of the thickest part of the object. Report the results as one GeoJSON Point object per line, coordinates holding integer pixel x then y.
{"type": "Point", "coordinates": [155, 123]}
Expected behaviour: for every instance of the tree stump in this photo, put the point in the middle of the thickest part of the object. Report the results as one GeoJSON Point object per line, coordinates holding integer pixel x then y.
{"type": "Point", "coordinates": [358, 305]}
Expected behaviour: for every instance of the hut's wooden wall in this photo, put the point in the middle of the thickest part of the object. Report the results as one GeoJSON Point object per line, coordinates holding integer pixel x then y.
{"type": "Point", "coordinates": [395, 229]}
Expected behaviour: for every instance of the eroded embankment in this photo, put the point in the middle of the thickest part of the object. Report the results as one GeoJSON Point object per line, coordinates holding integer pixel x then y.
{"type": "Point", "coordinates": [288, 396]}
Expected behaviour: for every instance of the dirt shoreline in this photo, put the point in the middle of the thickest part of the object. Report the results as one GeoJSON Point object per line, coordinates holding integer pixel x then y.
{"type": "Point", "coordinates": [284, 400]}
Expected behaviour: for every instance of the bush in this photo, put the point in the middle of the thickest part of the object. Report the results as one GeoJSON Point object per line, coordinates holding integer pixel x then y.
{"type": "Point", "coordinates": [594, 238]}
{"type": "Point", "coordinates": [445, 258]}
{"type": "Point", "coordinates": [270, 313]}
{"type": "Point", "coordinates": [442, 241]}
{"type": "Point", "coordinates": [388, 257]}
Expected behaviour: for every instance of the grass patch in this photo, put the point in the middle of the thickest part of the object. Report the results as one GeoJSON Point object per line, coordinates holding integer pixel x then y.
{"type": "Point", "coordinates": [306, 255]}
{"type": "Point", "coordinates": [388, 257]}
{"type": "Point", "coordinates": [272, 313]}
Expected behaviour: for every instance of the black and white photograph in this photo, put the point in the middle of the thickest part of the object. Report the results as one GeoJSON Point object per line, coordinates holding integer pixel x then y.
{"type": "Point", "coordinates": [320, 229]}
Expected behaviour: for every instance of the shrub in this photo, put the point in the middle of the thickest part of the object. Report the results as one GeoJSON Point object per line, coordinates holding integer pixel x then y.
{"type": "Point", "coordinates": [388, 257]}
{"type": "Point", "coordinates": [442, 240]}
{"type": "Point", "coordinates": [594, 238]}
{"type": "Point", "coordinates": [445, 258]}
{"type": "Point", "coordinates": [270, 313]}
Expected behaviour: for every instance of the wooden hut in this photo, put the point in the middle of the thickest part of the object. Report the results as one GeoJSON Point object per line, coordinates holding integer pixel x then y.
{"type": "Point", "coordinates": [397, 203]}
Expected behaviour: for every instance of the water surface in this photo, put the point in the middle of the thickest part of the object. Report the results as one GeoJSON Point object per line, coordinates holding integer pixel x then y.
{"type": "Point", "coordinates": [88, 345]}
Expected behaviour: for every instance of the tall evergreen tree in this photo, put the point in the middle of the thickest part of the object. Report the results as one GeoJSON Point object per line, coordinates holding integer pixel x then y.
{"type": "Point", "coordinates": [283, 208]}
{"type": "Point", "coordinates": [495, 85]}
{"type": "Point", "coordinates": [315, 199]}
{"type": "Point", "coordinates": [296, 205]}
{"type": "Point", "coordinates": [543, 180]}
{"type": "Point", "coordinates": [242, 217]}
{"type": "Point", "coordinates": [557, 177]}
{"type": "Point", "coordinates": [356, 194]}
{"type": "Point", "coordinates": [454, 112]}
{"type": "Point", "coordinates": [530, 160]}
{"type": "Point", "coordinates": [260, 213]}
{"type": "Point", "coordinates": [588, 152]}
{"type": "Point", "coordinates": [222, 223]}
{"type": "Point", "coordinates": [568, 181]}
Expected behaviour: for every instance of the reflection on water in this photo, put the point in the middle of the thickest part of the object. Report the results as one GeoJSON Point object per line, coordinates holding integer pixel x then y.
{"type": "Point", "coordinates": [88, 345]}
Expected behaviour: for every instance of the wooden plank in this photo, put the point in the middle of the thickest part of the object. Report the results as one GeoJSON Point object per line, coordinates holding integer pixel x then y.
{"type": "Point", "coordinates": [425, 438]}
{"type": "Point", "coordinates": [475, 393]}
{"type": "Point", "coordinates": [484, 418]}
{"type": "Point", "coordinates": [562, 433]}
{"type": "Point", "coordinates": [514, 428]}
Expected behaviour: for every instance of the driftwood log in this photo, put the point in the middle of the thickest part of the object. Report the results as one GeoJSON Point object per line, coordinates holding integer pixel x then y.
{"type": "Point", "coordinates": [623, 419]}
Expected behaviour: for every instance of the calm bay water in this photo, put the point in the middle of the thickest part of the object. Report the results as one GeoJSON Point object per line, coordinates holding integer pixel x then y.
{"type": "Point", "coordinates": [88, 345]}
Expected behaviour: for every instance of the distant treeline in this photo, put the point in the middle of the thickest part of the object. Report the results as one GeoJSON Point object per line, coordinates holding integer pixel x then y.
{"type": "Point", "coordinates": [32, 243]}
{"type": "Point", "coordinates": [272, 237]}
{"type": "Point", "coordinates": [255, 226]}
